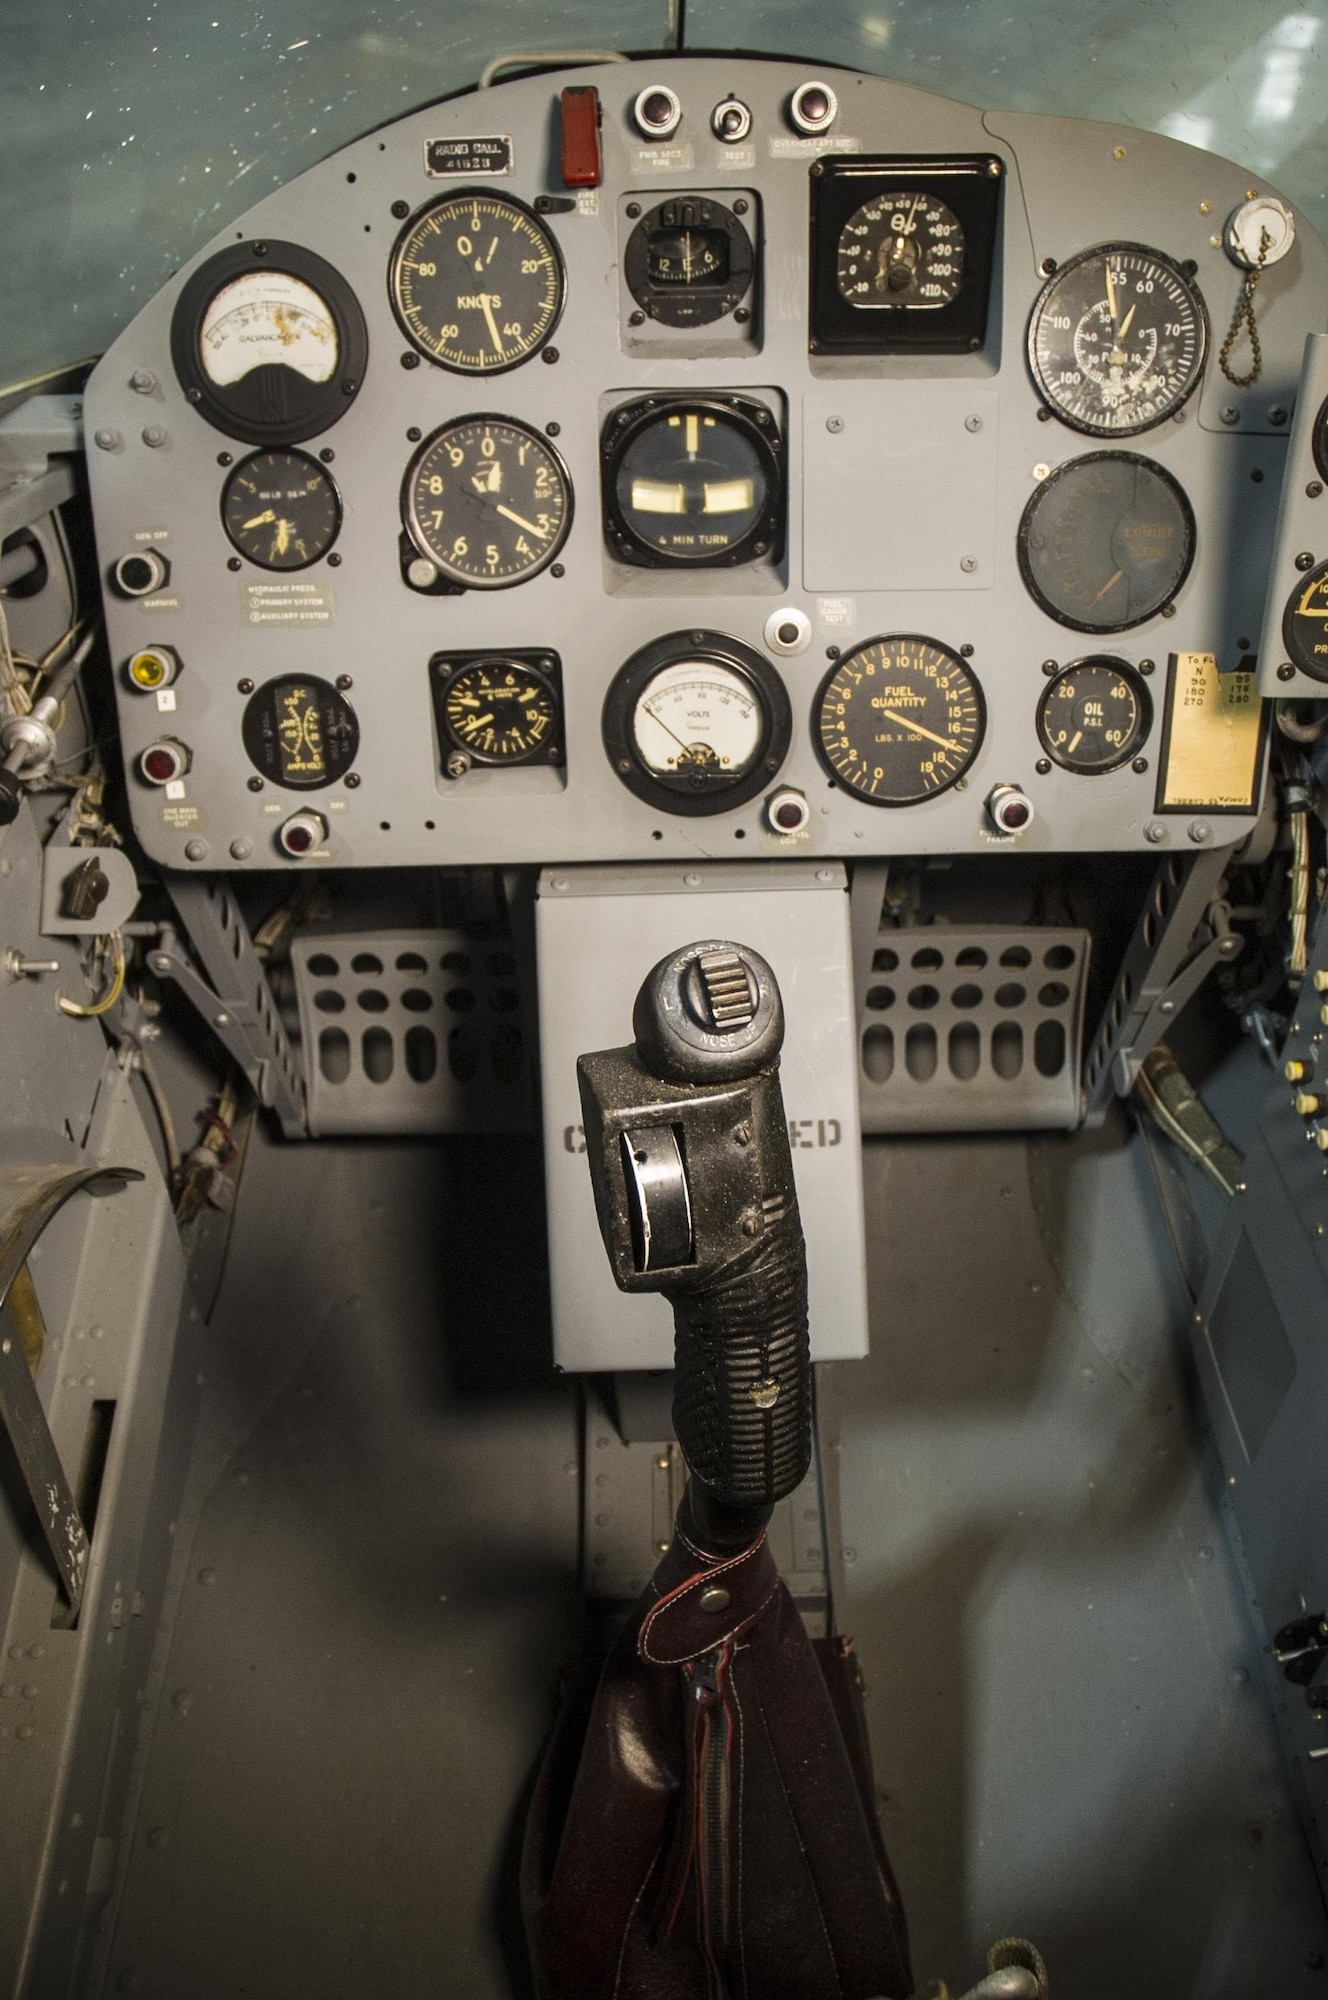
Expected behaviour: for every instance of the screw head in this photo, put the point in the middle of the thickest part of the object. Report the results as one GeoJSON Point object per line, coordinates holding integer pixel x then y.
{"type": "Point", "coordinates": [742, 315]}
{"type": "Point", "coordinates": [966, 652]}
{"type": "Point", "coordinates": [552, 430]}
{"type": "Point", "coordinates": [245, 686]}
{"type": "Point", "coordinates": [143, 381]}
{"type": "Point", "coordinates": [196, 850]}
{"type": "Point", "coordinates": [1199, 831]}
{"type": "Point", "coordinates": [1229, 414]}
{"type": "Point", "coordinates": [1314, 489]}
{"type": "Point", "coordinates": [1155, 832]}
{"type": "Point", "coordinates": [241, 849]}
{"type": "Point", "coordinates": [632, 210]}
{"type": "Point", "coordinates": [968, 564]}
{"type": "Point", "coordinates": [1304, 560]}
{"type": "Point", "coordinates": [973, 423]}
{"type": "Point", "coordinates": [232, 563]}
{"type": "Point", "coordinates": [334, 562]}
{"type": "Point", "coordinates": [1042, 766]}
{"type": "Point", "coordinates": [636, 318]}
{"type": "Point", "coordinates": [352, 781]}
{"type": "Point", "coordinates": [344, 681]}
{"type": "Point", "coordinates": [1286, 672]}
{"type": "Point", "coordinates": [1147, 666]}
{"type": "Point", "coordinates": [834, 425]}
{"type": "Point", "coordinates": [410, 359]}
{"type": "Point", "coordinates": [1277, 415]}
{"type": "Point", "coordinates": [457, 765]}
{"type": "Point", "coordinates": [1140, 765]}
{"type": "Point", "coordinates": [401, 209]}
{"type": "Point", "coordinates": [557, 569]}
{"type": "Point", "coordinates": [1049, 267]}
{"type": "Point", "coordinates": [255, 784]}
{"type": "Point", "coordinates": [106, 440]}
{"type": "Point", "coordinates": [1051, 667]}
{"type": "Point", "coordinates": [225, 458]}
{"type": "Point", "coordinates": [550, 355]}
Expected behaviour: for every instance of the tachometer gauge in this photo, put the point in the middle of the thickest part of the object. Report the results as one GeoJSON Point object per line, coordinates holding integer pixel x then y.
{"type": "Point", "coordinates": [696, 723]}
{"type": "Point", "coordinates": [692, 483]}
{"type": "Point", "coordinates": [280, 509]}
{"type": "Point", "coordinates": [487, 502]}
{"type": "Point", "coordinates": [498, 708]}
{"type": "Point", "coordinates": [477, 282]}
{"type": "Point", "coordinates": [1094, 716]}
{"type": "Point", "coordinates": [1305, 623]}
{"type": "Point", "coordinates": [689, 261]}
{"type": "Point", "coordinates": [300, 732]}
{"type": "Point", "coordinates": [1106, 541]}
{"type": "Point", "coordinates": [269, 342]}
{"type": "Point", "coordinates": [1117, 339]}
{"type": "Point", "coordinates": [899, 720]}
{"type": "Point", "coordinates": [901, 248]}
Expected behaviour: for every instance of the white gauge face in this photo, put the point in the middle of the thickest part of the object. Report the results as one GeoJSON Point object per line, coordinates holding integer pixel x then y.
{"type": "Point", "coordinates": [266, 317]}
{"type": "Point", "coordinates": [698, 715]}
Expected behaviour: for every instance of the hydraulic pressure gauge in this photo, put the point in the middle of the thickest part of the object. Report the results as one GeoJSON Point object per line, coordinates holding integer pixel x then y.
{"type": "Point", "coordinates": [477, 282]}
{"type": "Point", "coordinates": [1106, 541]}
{"type": "Point", "coordinates": [1094, 716]}
{"type": "Point", "coordinates": [281, 509]}
{"type": "Point", "coordinates": [1305, 623]}
{"type": "Point", "coordinates": [487, 501]}
{"type": "Point", "coordinates": [692, 482]}
{"type": "Point", "coordinates": [1117, 339]}
{"type": "Point", "coordinates": [300, 732]}
{"type": "Point", "coordinates": [696, 723]}
{"type": "Point", "coordinates": [497, 708]}
{"type": "Point", "coordinates": [269, 342]}
{"type": "Point", "coordinates": [689, 261]}
{"type": "Point", "coordinates": [902, 251]}
{"type": "Point", "coordinates": [899, 720]}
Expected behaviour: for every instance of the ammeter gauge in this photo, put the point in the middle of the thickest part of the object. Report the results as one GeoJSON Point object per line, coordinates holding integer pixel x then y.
{"type": "Point", "coordinates": [1107, 541]}
{"type": "Point", "coordinates": [477, 282]}
{"type": "Point", "coordinates": [269, 342]}
{"type": "Point", "coordinates": [899, 720]}
{"type": "Point", "coordinates": [300, 732]}
{"type": "Point", "coordinates": [1117, 339]}
{"type": "Point", "coordinates": [693, 483]}
{"type": "Point", "coordinates": [487, 501]}
{"type": "Point", "coordinates": [696, 723]}
{"type": "Point", "coordinates": [1094, 716]}
{"type": "Point", "coordinates": [281, 509]}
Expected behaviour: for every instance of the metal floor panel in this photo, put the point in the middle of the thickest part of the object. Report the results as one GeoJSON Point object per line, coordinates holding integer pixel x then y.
{"type": "Point", "coordinates": [375, 1591]}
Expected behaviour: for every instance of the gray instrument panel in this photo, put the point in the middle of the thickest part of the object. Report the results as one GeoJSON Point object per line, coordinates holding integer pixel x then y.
{"type": "Point", "coordinates": [907, 477]}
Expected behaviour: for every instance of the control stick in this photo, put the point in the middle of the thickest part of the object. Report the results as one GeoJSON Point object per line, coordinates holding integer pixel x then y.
{"type": "Point", "coordinates": [693, 1180]}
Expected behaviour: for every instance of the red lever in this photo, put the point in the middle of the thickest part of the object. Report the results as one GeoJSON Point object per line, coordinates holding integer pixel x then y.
{"type": "Point", "coordinates": [583, 166]}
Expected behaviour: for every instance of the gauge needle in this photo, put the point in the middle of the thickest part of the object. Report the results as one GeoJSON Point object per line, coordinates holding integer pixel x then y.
{"type": "Point", "coordinates": [1111, 295]}
{"type": "Point", "coordinates": [1125, 323]}
{"type": "Point", "coordinates": [1074, 742]}
{"type": "Point", "coordinates": [261, 520]}
{"type": "Point", "coordinates": [1105, 588]}
{"type": "Point", "coordinates": [487, 304]}
{"type": "Point", "coordinates": [522, 522]}
{"type": "Point", "coordinates": [669, 732]}
{"type": "Point", "coordinates": [918, 730]}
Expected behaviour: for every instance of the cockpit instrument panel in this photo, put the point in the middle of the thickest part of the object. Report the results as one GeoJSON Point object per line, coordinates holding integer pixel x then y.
{"type": "Point", "coordinates": [691, 457]}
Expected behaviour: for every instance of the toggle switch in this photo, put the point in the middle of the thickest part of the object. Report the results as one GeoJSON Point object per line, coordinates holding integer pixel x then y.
{"type": "Point", "coordinates": [583, 162]}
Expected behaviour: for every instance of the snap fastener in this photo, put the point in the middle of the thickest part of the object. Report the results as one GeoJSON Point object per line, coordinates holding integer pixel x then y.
{"type": "Point", "coordinates": [714, 1599]}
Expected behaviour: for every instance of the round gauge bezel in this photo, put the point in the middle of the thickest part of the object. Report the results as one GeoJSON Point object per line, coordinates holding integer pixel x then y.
{"type": "Point", "coordinates": [672, 794]}
{"type": "Point", "coordinates": [414, 222]}
{"type": "Point", "coordinates": [762, 542]}
{"type": "Point", "coordinates": [1026, 519]}
{"type": "Point", "coordinates": [458, 577]}
{"type": "Point", "coordinates": [449, 669]}
{"type": "Point", "coordinates": [268, 451]}
{"type": "Point", "coordinates": [1319, 439]}
{"type": "Point", "coordinates": [690, 305]}
{"type": "Point", "coordinates": [1319, 574]}
{"type": "Point", "coordinates": [311, 407]}
{"type": "Point", "coordinates": [1123, 671]}
{"type": "Point", "coordinates": [252, 736]}
{"type": "Point", "coordinates": [1184, 278]}
{"type": "Point", "coordinates": [895, 639]}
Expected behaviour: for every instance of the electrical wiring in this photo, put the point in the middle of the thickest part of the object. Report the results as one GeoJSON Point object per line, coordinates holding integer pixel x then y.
{"type": "Point", "coordinates": [113, 991]}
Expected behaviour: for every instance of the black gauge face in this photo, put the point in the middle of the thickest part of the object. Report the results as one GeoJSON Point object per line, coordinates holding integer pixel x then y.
{"type": "Point", "coordinates": [1094, 716]}
{"type": "Point", "coordinates": [901, 253]}
{"type": "Point", "coordinates": [271, 348]}
{"type": "Point", "coordinates": [1319, 440]}
{"type": "Point", "coordinates": [689, 261]}
{"type": "Point", "coordinates": [901, 248]}
{"type": "Point", "coordinates": [487, 501]}
{"type": "Point", "coordinates": [1117, 340]}
{"type": "Point", "coordinates": [899, 720]}
{"type": "Point", "coordinates": [499, 708]}
{"type": "Point", "coordinates": [1106, 541]}
{"type": "Point", "coordinates": [1305, 623]}
{"type": "Point", "coordinates": [696, 723]}
{"type": "Point", "coordinates": [280, 509]}
{"type": "Point", "coordinates": [300, 732]}
{"type": "Point", "coordinates": [477, 283]}
{"type": "Point", "coordinates": [692, 483]}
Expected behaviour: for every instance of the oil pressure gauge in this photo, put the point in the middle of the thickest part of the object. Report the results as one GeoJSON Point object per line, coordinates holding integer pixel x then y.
{"type": "Point", "coordinates": [1094, 716]}
{"type": "Point", "coordinates": [696, 723]}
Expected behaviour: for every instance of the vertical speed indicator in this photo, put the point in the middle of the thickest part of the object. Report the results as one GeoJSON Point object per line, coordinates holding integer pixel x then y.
{"type": "Point", "coordinates": [477, 283]}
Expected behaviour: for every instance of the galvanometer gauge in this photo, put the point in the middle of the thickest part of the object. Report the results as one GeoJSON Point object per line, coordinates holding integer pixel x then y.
{"type": "Point", "coordinates": [280, 509]}
{"type": "Point", "coordinates": [269, 342]}
{"type": "Point", "coordinates": [692, 482]}
{"type": "Point", "coordinates": [1094, 716]}
{"type": "Point", "coordinates": [300, 732]}
{"type": "Point", "coordinates": [1106, 541]}
{"type": "Point", "coordinates": [1305, 623]}
{"type": "Point", "coordinates": [487, 501]}
{"type": "Point", "coordinates": [477, 282]}
{"type": "Point", "coordinates": [497, 708]}
{"type": "Point", "coordinates": [1117, 339]}
{"type": "Point", "coordinates": [696, 723]}
{"type": "Point", "coordinates": [899, 720]}
{"type": "Point", "coordinates": [901, 254]}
